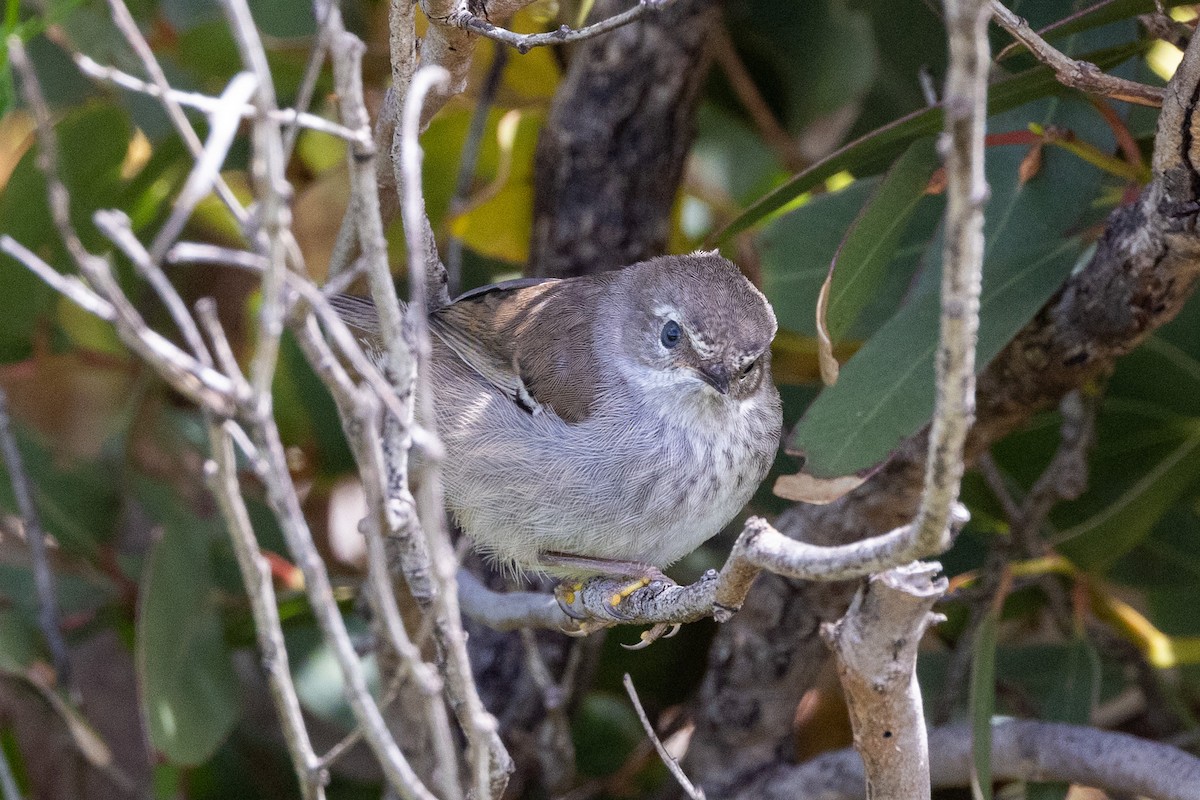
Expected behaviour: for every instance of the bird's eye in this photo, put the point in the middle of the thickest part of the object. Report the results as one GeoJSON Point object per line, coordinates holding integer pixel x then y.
{"type": "Point", "coordinates": [746, 370]}
{"type": "Point", "coordinates": [670, 334]}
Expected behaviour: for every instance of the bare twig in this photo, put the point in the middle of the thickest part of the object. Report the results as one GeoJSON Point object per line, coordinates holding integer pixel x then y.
{"type": "Point", "coordinates": [45, 585]}
{"type": "Point", "coordinates": [962, 268]}
{"type": "Point", "coordinates": [133, 35]}
{"type": "Point", "coordinates": [256, 577]}
{"type": "Point", "coordinates": [202, 102]}
{"type": "Point", "coordinates": [359, 411]}
{"type": "Point", "coordinates": [672, 765]}
{"type": "Point", "coordinates": [562, 35]}
{"type": "Point", "coordinates": [117, 226]}
{"type": "Point", "coordinates": [102, 294]}
{"type": "Point", "coordinates": [1082, 75]}
{"type": "Point", "coordinates": [267, 174]}
{"type": "Point", "coordinates": [490, 762]}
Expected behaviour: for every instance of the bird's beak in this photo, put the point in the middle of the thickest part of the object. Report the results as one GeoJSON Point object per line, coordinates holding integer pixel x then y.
{"type": "Point", "coordinates": [716, 376]}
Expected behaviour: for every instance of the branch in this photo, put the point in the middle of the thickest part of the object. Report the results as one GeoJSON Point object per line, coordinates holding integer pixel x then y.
{"type": "Point", "coordinates": [717, 594]}
{"type": "Point", "coordinates": [875, 645]}
{"type": "Point", "coordinates": [965, 107]}
{"type": "Point", "coordinates": [1082, 75]}
{"type": "Point", "coordinates": [1022, 750]}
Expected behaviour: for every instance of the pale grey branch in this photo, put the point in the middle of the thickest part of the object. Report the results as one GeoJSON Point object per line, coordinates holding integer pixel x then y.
{"type": "Point", "coordinates": [1022, 750]}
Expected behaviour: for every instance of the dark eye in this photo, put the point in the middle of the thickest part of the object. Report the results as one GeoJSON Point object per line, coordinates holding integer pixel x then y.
{"type": "Point", "coordinates": [746, 370]}
{"type": "Point", "coordinates": [670, 334]}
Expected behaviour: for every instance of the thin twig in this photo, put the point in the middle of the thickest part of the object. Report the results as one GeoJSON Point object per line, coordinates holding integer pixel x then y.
{"type": "Point", "coordinates": [117, 226]}
{"type": "Point", "coordinates": [672, 765]}
{"type": "Point", "coordinates": [267, 173]}
{"type": "Point", "coordinates": [489, 761]}
{"type": "Point", "coordinates": [133, 35]}
{"type": "Point", "coordinates": [359, 411]}
{"type": "Point", "coordinates": [564, 34]}
{"type": "Point", "coordinates": [1082, 75]}
{"type": "Point", "coordinates": [312, 72]}
{"type": "Point", "coordinates": [207, 104]}
{"type": "Point", "coordinates": [44, 582]}
{"type": "Point", "coordinates": [256, 577]}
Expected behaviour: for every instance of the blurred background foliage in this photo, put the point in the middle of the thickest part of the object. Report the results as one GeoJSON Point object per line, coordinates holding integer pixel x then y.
{"type": "Point", "coordinates": [815, 141]}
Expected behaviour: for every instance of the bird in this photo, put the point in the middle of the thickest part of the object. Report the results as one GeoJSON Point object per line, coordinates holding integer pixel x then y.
{"type": "Point", "coordinates": [607, 424]}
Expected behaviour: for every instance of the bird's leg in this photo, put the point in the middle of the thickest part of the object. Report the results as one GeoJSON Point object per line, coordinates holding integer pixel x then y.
{"type": "Point", "coordinates": [644, 574]}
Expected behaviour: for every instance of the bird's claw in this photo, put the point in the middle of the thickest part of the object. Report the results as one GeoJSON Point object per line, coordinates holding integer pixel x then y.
{"type": "Point", "coordinates": [663, 630]}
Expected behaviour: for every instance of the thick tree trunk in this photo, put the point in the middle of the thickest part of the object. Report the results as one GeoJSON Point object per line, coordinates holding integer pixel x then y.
{"type": "Point", "coordinates": [612, 152]}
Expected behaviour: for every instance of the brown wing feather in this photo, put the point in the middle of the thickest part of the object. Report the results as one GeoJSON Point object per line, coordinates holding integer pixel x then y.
{"type": "Point", "coordinates": [533, 341]}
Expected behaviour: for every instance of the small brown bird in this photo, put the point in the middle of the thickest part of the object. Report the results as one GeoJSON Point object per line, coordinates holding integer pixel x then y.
{"type": "Point", "coordinates": [606, 424]}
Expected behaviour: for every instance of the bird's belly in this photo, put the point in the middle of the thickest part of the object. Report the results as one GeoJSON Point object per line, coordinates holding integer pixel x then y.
{"type": "Point", "coordinates": [647, 492]}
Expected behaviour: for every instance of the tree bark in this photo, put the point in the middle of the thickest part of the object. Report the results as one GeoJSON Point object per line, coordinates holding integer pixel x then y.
{"type": "Point", "coordinates": [612, 152]}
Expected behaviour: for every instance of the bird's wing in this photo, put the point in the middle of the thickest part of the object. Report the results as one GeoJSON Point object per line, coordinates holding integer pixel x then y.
{"type": "Point", "coordinates": [531, 339]}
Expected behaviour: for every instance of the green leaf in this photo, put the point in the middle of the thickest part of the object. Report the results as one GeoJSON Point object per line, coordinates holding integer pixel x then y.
{"type": "Point", "coordinates": [983, 705]}
{"type": "Point", "coordinates": [885, 392]}
{"type": "Point", "coordinates": [797, 249]}
{"type": "Point", "coordinates": [872, 153]}
{"type": "Point", "coordinates": [871, 243]}
{"type": "Point", "coordinates": [186, 678]}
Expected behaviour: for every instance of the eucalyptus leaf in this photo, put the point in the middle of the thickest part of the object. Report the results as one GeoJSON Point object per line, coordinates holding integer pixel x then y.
{"type": "Point", "coordinates": [885, 392]}
{"type": "Point", "coordinates": [871, 153]}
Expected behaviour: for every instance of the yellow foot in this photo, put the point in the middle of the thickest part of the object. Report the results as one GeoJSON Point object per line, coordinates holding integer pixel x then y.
{"type": "Point", "coordinates": [627, 590]}
{"type": "Point", "coordinates": [570, 590]}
